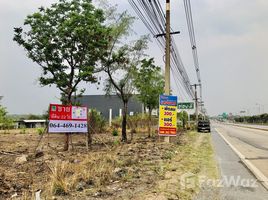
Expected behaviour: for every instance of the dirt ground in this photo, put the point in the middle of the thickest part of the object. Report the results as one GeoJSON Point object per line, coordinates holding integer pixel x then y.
{"type": "Point", "coordinates": [145, 168]}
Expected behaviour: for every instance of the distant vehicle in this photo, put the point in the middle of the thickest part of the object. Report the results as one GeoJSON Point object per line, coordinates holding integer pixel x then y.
{"type": "Point", "coordinates": [203, 125]}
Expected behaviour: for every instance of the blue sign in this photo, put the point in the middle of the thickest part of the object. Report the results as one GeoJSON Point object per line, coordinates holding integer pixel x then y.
{"type": "Point", "coordinates": [168, 100]}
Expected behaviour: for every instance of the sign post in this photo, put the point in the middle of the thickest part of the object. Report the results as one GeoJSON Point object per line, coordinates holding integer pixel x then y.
{"type": "Point", "coordinates": [167, 115]}
{"type": "Point", "coordinates": [67, 119]}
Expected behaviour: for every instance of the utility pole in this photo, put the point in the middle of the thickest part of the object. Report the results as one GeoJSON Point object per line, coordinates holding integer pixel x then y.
{"type": "Point", "coordinates": [167, 66]}
{"type": "Point", "coordinates": [196, 100]}
{"type": "Point", "coordinates": [201, 103]}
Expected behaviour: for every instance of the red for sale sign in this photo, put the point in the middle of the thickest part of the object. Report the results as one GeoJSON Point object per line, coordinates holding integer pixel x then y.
{"type": "Point", "coordinates": [64, 118]}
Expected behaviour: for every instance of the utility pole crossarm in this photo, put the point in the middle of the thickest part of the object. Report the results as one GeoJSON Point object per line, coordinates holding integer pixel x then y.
{"type": "Point", "coordinates": [164, 34]}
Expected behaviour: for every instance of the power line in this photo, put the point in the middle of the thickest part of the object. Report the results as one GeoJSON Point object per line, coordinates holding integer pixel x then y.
{"type": "Point", "coordinates": [152, 15]}
{"type": "Point", "coordinates": [189, 19]}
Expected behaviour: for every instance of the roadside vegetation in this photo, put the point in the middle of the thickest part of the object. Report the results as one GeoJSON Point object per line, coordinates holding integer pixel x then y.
{"type": "Point", "coordinates": [255, 119]}
{"type": "Point", "coordinates": [6, 122]}
{"type": "Point", "coordinates": [144, 168]}
{"type": "Point", "coordinates": [149, 83]}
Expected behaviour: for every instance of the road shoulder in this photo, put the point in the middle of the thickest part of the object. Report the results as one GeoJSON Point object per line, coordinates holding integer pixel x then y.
{"type": "Point", "coordinates": [231, 168]}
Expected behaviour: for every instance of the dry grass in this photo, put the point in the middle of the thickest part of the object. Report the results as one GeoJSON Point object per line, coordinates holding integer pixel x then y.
{"type": "Point", "coordinates": [122, 171]}
{"type": "Point", "coordinates": [194, 155]}
{"type": "Point", "coordinates": [60, 184]}
{"type": "Point", "coordinates": [96, 170]}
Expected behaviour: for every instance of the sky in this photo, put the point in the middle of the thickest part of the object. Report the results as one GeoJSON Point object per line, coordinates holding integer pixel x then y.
{"type": "Point", "coordinates": [232, 46]}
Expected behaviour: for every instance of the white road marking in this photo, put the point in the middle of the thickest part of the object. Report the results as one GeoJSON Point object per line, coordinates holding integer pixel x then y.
{"type": "Point", "coordinates": [259, 175]}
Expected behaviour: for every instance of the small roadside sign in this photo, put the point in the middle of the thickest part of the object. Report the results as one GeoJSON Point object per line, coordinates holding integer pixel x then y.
{"type": "Point", "coordinates": [67, 119]}
{"type": "Point", "coordinates": [167, 115]}
{"type": "Point", "coordinates": [186, 105]}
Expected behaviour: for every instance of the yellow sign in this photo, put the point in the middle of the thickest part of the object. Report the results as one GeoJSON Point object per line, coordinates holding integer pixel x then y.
{"type": "Point", "coordinates": [168, 115]}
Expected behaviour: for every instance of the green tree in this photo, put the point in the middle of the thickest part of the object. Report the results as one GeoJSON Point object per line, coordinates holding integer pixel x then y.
{"type": "Point", "coordinates": [121, 59]}
{"type": "Point", "coordinates": [5, 121]}
{"type": "Point", "coordinates": [66, 40]}
{"type": "Point", "coordinates": [183, 116]}
{"type": "Point", "coordinates": [149, 83]}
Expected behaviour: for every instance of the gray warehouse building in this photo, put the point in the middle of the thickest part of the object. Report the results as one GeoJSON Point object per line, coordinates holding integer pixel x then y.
{"type": "Point", "coordinates": [103, 103]}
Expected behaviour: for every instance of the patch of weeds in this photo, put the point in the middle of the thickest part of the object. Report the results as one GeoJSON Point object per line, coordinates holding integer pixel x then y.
{"type": "Point", "coordinates": [116, 142]}
{"type": "Point", "coordinates": [95, 171]}
{"type": "Point", "coordinates": [159, 170]}
{"type": "Point", "coordinates": [23, 131]}
{"type": "Point", "coordinates": [59, 182]}
{"type": "Point", "coordinates": [129, 162]}
{"type": "Point", "coordinates": [168, 155]}
{"type": "Point", "coordinates": [40, 131]}
{"type": "Point", "coordinates": [58, 189]}
{"type": "Point", "coordinates": [127, 176]}
{"type": "Point", "coordinates": [115, 132]}
{"type": "Point", "coordinates": [6, 132]}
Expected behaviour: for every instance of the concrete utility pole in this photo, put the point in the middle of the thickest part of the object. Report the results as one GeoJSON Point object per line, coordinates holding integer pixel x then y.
{"type": "Point", "coordinates": [196, 100]}
{"type": "Point", "coordinates": [167, 66]}
{"type": "Point", "coordinates": [201, 103]}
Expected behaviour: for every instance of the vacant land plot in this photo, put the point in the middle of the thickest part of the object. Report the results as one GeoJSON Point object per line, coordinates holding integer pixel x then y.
{"type": "Point", "coordinates": [143, 169]}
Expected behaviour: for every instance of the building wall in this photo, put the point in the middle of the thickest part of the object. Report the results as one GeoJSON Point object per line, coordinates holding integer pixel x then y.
{"type": "Point", "coordinates": [103, 103]}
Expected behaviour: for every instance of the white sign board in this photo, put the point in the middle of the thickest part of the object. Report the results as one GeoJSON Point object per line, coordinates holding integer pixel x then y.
{"type": "Point", "coordinates": [67, 119]}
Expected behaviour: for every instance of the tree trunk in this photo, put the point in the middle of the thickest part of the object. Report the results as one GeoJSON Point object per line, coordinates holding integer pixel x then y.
{"type": "Point", "coordinates": [124, 122]}
{"type": "Point", "coordinates": [149, 122]}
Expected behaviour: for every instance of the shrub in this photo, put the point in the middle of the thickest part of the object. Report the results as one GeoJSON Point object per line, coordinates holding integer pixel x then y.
{"type": "Point", "coordinates": [115, 132]}
{"type": "Point", "coordinates": [40, 131]}
{"type": "Point", "coordinates": [117, 122]}
{"type": "Point", "coordinates": [5, 121]}
{"type": "Point", "coordinates": [96, 121]}
{"type": "Point", "coordinates": [116, 142]}
{"type": "Point", "coordinates": [59, 183]}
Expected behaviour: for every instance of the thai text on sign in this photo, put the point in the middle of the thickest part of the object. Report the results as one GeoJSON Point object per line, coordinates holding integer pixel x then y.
{"type": "Point", "coordinates": [67, 119]}
{"type": "Point", "coordinates": [167, 115]}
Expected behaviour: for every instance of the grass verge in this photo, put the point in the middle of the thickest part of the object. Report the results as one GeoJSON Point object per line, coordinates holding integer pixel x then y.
{"type": "Point", "coordinates": [193, 159]}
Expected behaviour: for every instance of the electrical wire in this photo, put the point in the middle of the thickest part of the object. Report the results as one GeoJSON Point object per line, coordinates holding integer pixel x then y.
{"type": "Point", "coordinates": [152, 15]}
{"type": "Point", "coordinates": [189, 19]}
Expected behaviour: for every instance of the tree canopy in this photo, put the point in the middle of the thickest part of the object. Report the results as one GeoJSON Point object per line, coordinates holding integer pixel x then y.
{"type": "Point", "coordinates": [67, 40]}
{"type": "Point", "coordinates": [121, 59]}
{"type": "Point", "coordinates": [149, 83]}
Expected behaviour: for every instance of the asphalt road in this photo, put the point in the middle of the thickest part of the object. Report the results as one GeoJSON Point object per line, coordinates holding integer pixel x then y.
{"type": "Point", "coordinates": [253, 144]}
{"type": "Point", "coordinates": [249, 142]}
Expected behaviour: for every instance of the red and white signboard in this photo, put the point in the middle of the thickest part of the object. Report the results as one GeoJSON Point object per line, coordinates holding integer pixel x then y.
{"type": "Point", "coordinates": [67, 119]}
